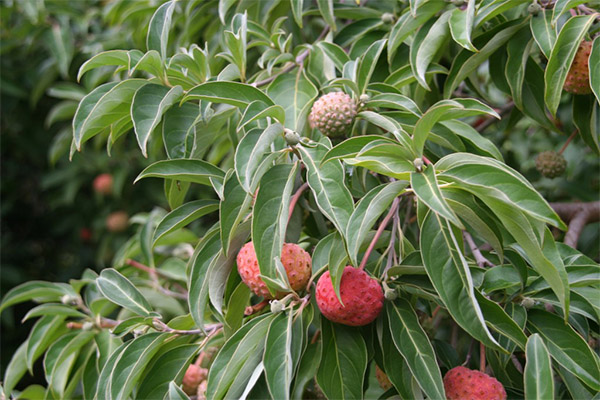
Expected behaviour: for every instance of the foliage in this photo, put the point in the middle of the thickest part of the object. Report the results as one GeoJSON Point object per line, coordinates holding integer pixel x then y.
{"type": "Point", "coordinates": [217, 96]}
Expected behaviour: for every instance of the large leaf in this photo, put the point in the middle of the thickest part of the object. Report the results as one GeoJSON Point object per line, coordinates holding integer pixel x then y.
{"type": "Point", "coordinates": [562, 56]}
{"type": "Point", "coordinates": [183, 215]}
{"type": "Point", "coordinates": [234, 93]}
{"type": "Point", "coordinates": [160, 25]}
{"type": "Point", "coordinates": [538, 377]}
{"type": "Point", "coordinates": [196, 171]}
{"type": "Point", "coordinates": [566, 346]}
{"type": "Point", "coordinates": [295, 93]}
{"type": "Point", "coordinates": [449, 273]}
{"type": "Point", "coordinates": [105, 105]}
{"type": "Point", "coordinates": [367, 63]}
{"type": "Point", "coordinates": [343, 362]}
{"type": "Point", "coordinates": [270, 217]}
{"type": "Point", "coordinates": [543, 32]}
{"type": "Point", "coordinates": [327, 183]}
{"type": "Point", "coordinates": [461, 25]}
{"type": "Point", "coordinates": [31, 290]}
{"type": "Point", "coordinates": [149, 104]}
{"type": "Point", "coordinates": [427, 189]}
{"type": "Point", "coordinates": [367, 211]}
{"type": "Point", "coordinates": [414, 345]}
{"type": "Point", "coordinates": [428, 41]}
{"type": "Point", "coordinates": [121, 291]}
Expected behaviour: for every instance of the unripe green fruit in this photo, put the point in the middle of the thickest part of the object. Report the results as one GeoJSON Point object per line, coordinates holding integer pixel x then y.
{"type": "Point", "coordinates": [550, 164]}
{"type": "Point", "coordinates": [277, 306]}
{"type": "Point", "coordinates": [390, 294]}
{"type": "Point", "coordinates": [387, 18]}
{"type": "Point", "coordinates": [291, 137]}
{"type": "Point", "coordinates": [534, 8]}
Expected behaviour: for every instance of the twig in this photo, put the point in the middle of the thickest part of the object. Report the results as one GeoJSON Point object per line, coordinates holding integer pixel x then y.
{"type": "Point", "coordinates": [516, 363]}
{"type": "Point", "coordinates": [481, 357]}
{"type": "Point", "coordinates": [295, 198]}
{"type": "Point", "coordinates": [490, 120]}
{"type": "Point", "coordinates": [479, 258]}
{"type": "Point", "coordinates": [256, 308]}
{"type": "Point", "coordinates": [379, 232]}
{"type": "Point", "coordinates": [578, 215]}
{"type": "Point", "coordinates": [562, 149]}
{"type": "Point", "coordinates": [154, 273]}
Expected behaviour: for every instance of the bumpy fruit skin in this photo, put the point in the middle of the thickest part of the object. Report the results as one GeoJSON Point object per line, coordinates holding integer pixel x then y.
{"type": "Point", "coordinates": [103, 184]}
{"type": "Point", "coordinates": [117, 221]}
{"type": "Point", "coordinates": [462, 383]}
{"type": "Point", "coordinates": [578, 78]}
{"type": "Point", "coordinates": [550, 164]}
{"type": "Point", "coordinates": [296, 261]}
{"type": "Point", "coordinates": [382, 378]}
{"type": "Point", "coordinates": [192, 379]}
{"type": "Point", "coordinates": [362, 297]}
{"type": "Point", "coordinates": [333, 114]}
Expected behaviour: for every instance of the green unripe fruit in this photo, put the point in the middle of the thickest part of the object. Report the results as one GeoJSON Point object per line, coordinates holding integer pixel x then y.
{"type": "Point", "coordinates": [387, 18]}
{"type": "Point", "coordinates": [277, 306]}
{"type": "Point", "coordinates": [534, 8]}
{"type": "Point", "coordinates": [550, 164]}
{"type": "Point", "coordinates": [291, 137]}
{"type": "Point", "coordinates": [333, 114]}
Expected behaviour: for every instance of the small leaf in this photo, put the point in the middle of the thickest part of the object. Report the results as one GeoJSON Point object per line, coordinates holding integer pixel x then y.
{"type": "Point", "coordinates": [111, 57]}
{"type": "Point", "coordinates": [53, 309]}
{"type": "Point", "coordinates": [427, 189]}
{"type": "Point", "coordinates": [538, 377]}
{"type": "Point", "coordinates": [196, 171]}
{"type": "Point", "coordinates": [175, 393]}
{"type": "Point", "coordinates": [160, 25]}
{"type": "Point", "coordinates": [367, 63]}
{"type": "Point", "coordinates": [461, 25]}
{"type": "Point", "coordinates": [234, 93]}
{"type": "Point", "coordinates": [335, 53]}
{"type": "Point", "coordinates": [182, 216]}
{"type": "Point", "coordinates": [259, 110]}
{"type": "Point", "coordinates": [121, 291]}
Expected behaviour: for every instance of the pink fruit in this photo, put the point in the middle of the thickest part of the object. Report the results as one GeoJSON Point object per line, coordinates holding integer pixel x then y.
{"type": "Point", "coordinates": [103, 184]}
{"type": "Point", "coordinates": [462, 383]}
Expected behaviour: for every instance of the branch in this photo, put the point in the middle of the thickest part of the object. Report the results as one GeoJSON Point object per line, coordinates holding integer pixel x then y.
{"type": "Point", "coordinates": [295, 198]}
{"type": "Point", "coordinates": [578, 215]}
{"type": "Point", "coordinates": [379, 232]}
{"type": "Point", "coordinates": [479, 258]}
{"type": "Point", "coordinates": [490, 120]}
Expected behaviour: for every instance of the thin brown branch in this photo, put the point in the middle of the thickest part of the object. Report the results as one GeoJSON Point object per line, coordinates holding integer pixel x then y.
{"type": "Point", "coordinates": [256, 308]}
{"type": "Point", "coordinates": [578, 215]}
{"type": "Point", "coordinates": [564, 147]}
{"type": "Point", "coordinates": [481, 357]}
{"type": "Point", "coordinates": [479, 258]}
{"type": "Point", "coordinates": [490, 120]}
{"type": "Point", "coordinates": [154, 274]}
{"type": "Point", "coordinates": [295, 198]}
{"type": "Point", "coordinates": [379, 232]}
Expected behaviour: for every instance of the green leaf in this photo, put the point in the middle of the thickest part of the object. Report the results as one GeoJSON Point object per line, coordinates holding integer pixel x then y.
{"type": "Point", "coordinates": [367, 64]}
{"type": "Point", "coordinates": [234, 93]}
{"type": "Point", "coordinates": [543, 31]}
{"type": "Point", "coordinates": [259, 110]}
{"type": "Point", "coordinates": [296, 6]}
{"type": "Point", "coordinates": [471, 137]}
{"type": "Point", "coordinates": [461, 25]}
{"type": "Point", "coordinates": [335, 53]}
{"type": "Point", "coordinates": [15, 370]}
{"type": "Point", "coordinates": [283, 348]}
{"type": "Point", "coordinates": [414, 345]}
{"type": "Point", "coordinates": [61, 45]}
{"type": "Point", "coordinates": [237, 359]}
{"type": "Point", "coordinates": [394, 101]}
{"type": "Point", "coordinates": [30, 290]}
{"type": "Point", "coordinates": [466, 62]}
{"type": "Point", "coordinates": [196, 171]}
{"type": "Point", "coordinates": [121, 291]}
{"type": "Point", "coordinates": [151, 63]}
{"type": "Point", "coordinates": [169, 367]}
{"type": "Point", "coordinates": [158, 31]}
{"type": "Point", "coordinates": [179, 124]}
{"type": "Point", "coordinates": [43, 333]}
{"type": "Point", "coordinates": [175, 393]}
{"type": "Point", "coordinates": [594, 65]}
{"type": "Point", "coordinates": [563, 53]}
{"type": "Point", "coordinates": [250, 153]}
{"type": "Point", "coordinates": [270, 217]}
{"type": "Point", "coordinates": [295, 93]}
{"type": "Point", "coordinates": [182, 216]}
{"type": "Point", "coordinates": [385, 158]}
{"type": "Point", "coordinates": [563, 6]}
{"type": "Point", "coordinates": [449, 273]}
{"type": "Point", "coordinates": [326, 10]}
{"type": "Point", "coordinates": [566, 346]}
{"type": "Point", "coordinates": [538, 376]}
{"type": "Point", "coordinates": [121, 58]}
{"type": "Point", "coordinates": [428, 41]}
{"type": "Point", "coordinates": [343, 361]}
{"type": "Point", "coordinates": [586, 117]}
{"type": "Point", "coordinates": [497, 318]}
{"type": "Point", "coordinates": [367, 212]}
{"type": "Point", "coordinates": [444, 110]}
{"type": "Point", "coordinates": [105, 105]}
{"type": "Point", "coordinates": [518, 50]}
{"type": "Point", "coordinates": [148, 106]}
{"type": "Point", "coordinates": [327, 183]}
{"type": "Point", "coordinates": [351, 147]}
{"type": "Point", "coordinates": [427, 189]}
{"type": "Point", "coordinates": [53, 309]}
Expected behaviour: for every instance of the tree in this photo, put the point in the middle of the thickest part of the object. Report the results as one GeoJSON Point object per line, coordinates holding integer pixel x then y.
{"type": "Point", "coordinates": [356, 131]}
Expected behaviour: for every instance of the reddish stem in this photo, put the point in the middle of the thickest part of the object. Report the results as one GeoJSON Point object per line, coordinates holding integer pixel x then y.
{"type": "Point", "coordinates": [481, 357]}
{"type": "Point", "coordinates": [382, 226]}
{"type": "Point", "coordinates": [567, 142]}
{"type": "Point", "coordinates": [256, 308]}
{"type": "Point", "coordinates": [427, 160]}
{"type": "Point", "coordinates": [295, 198]}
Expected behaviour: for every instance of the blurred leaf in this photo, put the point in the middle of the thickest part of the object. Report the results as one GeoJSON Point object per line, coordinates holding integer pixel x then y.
{"type": "Point", "coordinates": [30, 290]}
{"type": "Point", "coordinates": [121, 291]}
{"type": "Point", "coordinates": [15, 369]}
{"type": "Point", "coordinates": [175, 393]}
{"type": "Point", "coordinates": [538, 378]}
{"type": "Point", "coordinates": [586, 117]}
{"type": "Point", "coordinates": [43, 333]}
{"type": "Point", "coordinates": [563, 6]}
{"type": "Point", "coordinates": [335, 53]}
{"type": "Point", "coordinates": [232, 209]}
{"type": "Point", "coordinates": [326, 10]}
{"type": "Point", "coordinates": [258, 110]}
{"type": "Point", "coordinates": [53, 309]}
{"type": "Point", "coordinates": [60, 41]}
{"type": "Point", "coordinates": [158, 31]}
{"type": "Point", "coordinates": [594, 65]}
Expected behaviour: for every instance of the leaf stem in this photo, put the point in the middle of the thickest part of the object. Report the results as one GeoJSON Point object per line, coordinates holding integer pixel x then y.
{"type": "Point", "coordinates": [564, 147]}
{"type": "Point", "coordinates": [379, 232]}
{"type": "Point", "coordinates": [295, 198]}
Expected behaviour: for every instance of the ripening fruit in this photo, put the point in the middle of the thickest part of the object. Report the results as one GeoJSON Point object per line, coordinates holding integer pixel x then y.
{"type": "Point", "coordinates": [382, 378]}
{"type": "Point", "coordinates": [193, 377]}
{"type": "Point", "coordinates": [103, 184]}
{"type": "Point", "coordinates": [462, 383]}
{"type": "Point", "coordinates": [362, 297]}
{"type": "Point", "coordinates": [550, 164]}
{"type": "Point", "coordinates": [578, 78]}
{"type": "Point", "coordinates": [117, 221]}
{"type": "Point", "coordinates": [296, 261]}
{"type": "Point", "coordinates": [333, 114]}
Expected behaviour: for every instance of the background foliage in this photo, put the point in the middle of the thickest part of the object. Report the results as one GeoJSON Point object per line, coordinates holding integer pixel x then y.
{"type": "Point", "coordinates": [164, 80]}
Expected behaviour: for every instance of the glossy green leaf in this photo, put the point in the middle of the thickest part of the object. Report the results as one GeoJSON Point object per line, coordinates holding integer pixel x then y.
{"type": "Point", "coordinates": [183, 215]}
{"type": "Point", "coordinates": [234, 93]}
{"type": "Point", "coordinates": [119, 58]}
{"type": "Point", "coordinates": [388, 159]}
{"type": "Point", "coordinates": [538, 377]}
{"type": "Point", "coordinates": [259, 110]}
{"type": "Point", "coordinates": [586, 117]}
{"type": "Point", "coordinates": [594, 66]}
{"type": "Point", "coordinates": [367, 212]}
{"type": "Point", "coordinates": [232, 209]}
{"type": "Point", "coordinates": [367, 63]}
{"type": "Point", "coordinates": [335, 53]}
{"type": "Point", "coordinates": [30, 290]}
{"type": "Point", "coordinates": [295, 93]}
{"type": "Point", "coordinates": [461, 25]}
{"type": "Point", "coordinates": [15, 369]}
{"type": "Point", "coordinates": [563, 53]}
{"type": "Point", "coordinates": [499, 320]}
{"type": "Point", "coordinates": [566, 347]}
{"type": "Point", "coordinates": [296, 6]}
{"type": "Point", "coordinates": [53, 309]}
{"type": "Point", "coordinates": [414, 345]}
{"type": "Point", "coordinates": [121, 291]}
{"type": "Point", "coordinates": [177, 127]}
{"type": "Point", "coordinates": [196, 171]}
{"type": "Point", "coordinates": [449, 273]}
{"type": "Point", "coordinates": [518, 50]}
{"type": "Point", "coordinates": [395, 101]}
{"type": "Point", "coordinates": [326, 10]}
{"type": "Point", "coordinates": [428, 41]}
{"type": "Point", "coordinates": [563, 6]}
{"type": "Point", "coordinates": [270, 217]}
{"type": "Point", "coordinates": [149, 104]}
{"type": "Point", "coordinates": [543, 31]}
{"type": "Point", "coordinates": [152, 63]}
{"type": "Point", "coordinates": [427, 190]}
{"type": "Point", "coordinates": [175, 393]}
{"type": "Point", "coordinates": [160, 25]}
{"type": "Point", "coordinates": [352, 147]}
{"type": "Point", "coordinates": [327, 183]}
{"type": "Point", "coordinates": [343, 361]}
{"type": "Point", "coordinates": [43, 333]}
{"type": "Point", "coordinates": [471, 137]}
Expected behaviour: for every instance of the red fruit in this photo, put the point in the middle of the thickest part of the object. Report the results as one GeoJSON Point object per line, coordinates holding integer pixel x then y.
{"type": "Point", "coordinates": [117, 221]}
{"type": "Point", "coordinates": [466, 384]}
{"type": "Point", "coordinates": [362, 297]}
{"type": "Point", "coordinates": [103, 184]}
{"type": "Point", "coordinates": [382, 378]}
{"type": "Point", "coordinates": [192, 379]}
{"type": "Point", "coordinates": [296, 261]}
{"type": "Point", "coordinates": [85, 234]}
{"type": "Point", "coordinates": [578, 78]}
